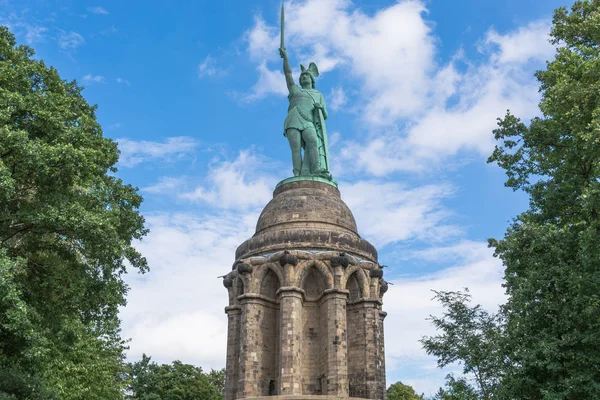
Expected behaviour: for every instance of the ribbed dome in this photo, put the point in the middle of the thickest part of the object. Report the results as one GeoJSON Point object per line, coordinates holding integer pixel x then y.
{"type": "Point", "coordinates": [306, 204]}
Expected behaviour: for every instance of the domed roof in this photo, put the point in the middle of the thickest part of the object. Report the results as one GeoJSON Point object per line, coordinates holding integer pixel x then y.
{"type": "Point", "coordinates": [306, 204]}
{"type": "Point", "coordinates": [310, 215]}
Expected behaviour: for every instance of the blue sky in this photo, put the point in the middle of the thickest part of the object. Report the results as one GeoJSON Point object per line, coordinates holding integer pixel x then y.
{"type": "Point", "coordinates": [193, 93]}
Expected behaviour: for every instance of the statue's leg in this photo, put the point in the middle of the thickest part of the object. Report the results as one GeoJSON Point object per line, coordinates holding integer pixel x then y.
{"type": "Point", "coordinates": [311, 151]}
{"type": "Point", "coordinates": [295, 139]}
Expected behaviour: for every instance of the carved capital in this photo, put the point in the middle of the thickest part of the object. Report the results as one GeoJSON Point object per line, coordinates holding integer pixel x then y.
{"type": "Point", "coordinates": [341, 259]}
{"type": "Point", "coordinates": [244, 268]}
{"type": "Point", "coordinates": [228, 280]}
{"type": "Point", "coordinates": [288, 258]}
{"type": "Point", "coordinates": [376, 273]}
{"type": "Point", "coordinates": [383, 287]}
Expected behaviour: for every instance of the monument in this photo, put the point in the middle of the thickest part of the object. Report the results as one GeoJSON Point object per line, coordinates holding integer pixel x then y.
{"type": "Point", "coordinates": [305, 317]}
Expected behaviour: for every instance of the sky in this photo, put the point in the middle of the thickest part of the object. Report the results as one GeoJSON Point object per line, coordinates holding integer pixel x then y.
{"type": "Point", "coordinates": [194, 95]}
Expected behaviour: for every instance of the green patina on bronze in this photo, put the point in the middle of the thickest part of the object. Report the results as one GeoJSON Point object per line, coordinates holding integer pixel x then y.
{"type": "Point", "coordinates": [304, 125]}
{"type": "Point", "coordinates": [307, 178]}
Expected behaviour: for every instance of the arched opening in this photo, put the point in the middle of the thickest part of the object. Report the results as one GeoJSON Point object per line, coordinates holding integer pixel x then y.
{"type": "Point", "coordinates": [314, 284]}
{"type": "Point", "coordinates": [314, 338]}
{"type": "Point", "coordinates": [353, 287]}
{"type": "Point", "coordinates": [270, 284]}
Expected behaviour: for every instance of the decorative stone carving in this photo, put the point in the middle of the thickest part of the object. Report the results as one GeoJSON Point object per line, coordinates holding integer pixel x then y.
{"type": "Point", "coordinates": [376, 273]}
{"type": "Point", "coordinates": [383, 287]}
{"type": "Point", "coordinates": [244, 268]}
{"type": "Point", "coordinates": [341, 259]}
{"type": "Point", "coordinates": [228, 280]}
{"type": "Point", "coordinates": [288, 259]}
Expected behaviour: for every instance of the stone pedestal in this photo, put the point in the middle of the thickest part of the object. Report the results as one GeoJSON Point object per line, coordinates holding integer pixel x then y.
{"type": "Point", "coordinates": [305, 297]}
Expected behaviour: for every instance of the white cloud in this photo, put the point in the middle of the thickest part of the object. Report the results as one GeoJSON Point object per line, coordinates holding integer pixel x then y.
{"type": "Point", "coordinates": [176, 310]}
{"type": "Point", "coordinates": [263, 40]}
{"type": "Point", "coordinates": [109, 31]}
{"type": "Point", "coordinates": [238, 184]}
{"type": "Point", "coordinates": [70, 40]}
{"type": "Point", "coordinates": [89, 78]}
{"type": "Point", "coordinates": [135, 152]}
{"type": "Point", "coordinates": [123, 81]}
{"type": "Point", "coordinates": [20, 24]}
{"type": "Point", "coordinates": [34, 34]}
{"type": "Point", "coordinates": [526, 43]}
{"type": "Point", "coordinates": [97, 10]}
{"type": "Point", "coordinates": [463, 112]}
{"type": "Point", "coordinates": [337, 98]}
{"type": "Point", "coordinates": [166, 185]}
{"type": "Point", "coordinates": [269, 82]}
{"type": "Point", "coordinates": [208, 67]}
{"type": "Point", "coordinates": [389, 212]}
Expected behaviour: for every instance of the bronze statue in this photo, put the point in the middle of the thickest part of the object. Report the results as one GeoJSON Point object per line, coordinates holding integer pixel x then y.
{"type": "Point", "coordinates": [305, 122]}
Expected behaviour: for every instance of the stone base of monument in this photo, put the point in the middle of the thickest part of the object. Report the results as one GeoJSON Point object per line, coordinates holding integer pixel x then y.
{"type": "Point", "coordinates": [305, 303]}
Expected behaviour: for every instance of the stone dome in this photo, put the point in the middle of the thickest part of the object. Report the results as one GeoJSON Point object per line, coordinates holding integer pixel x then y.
{"type": "Point", "coordinates": [306, 204]}
{"type": "Point", "coordinates": [306, 214]}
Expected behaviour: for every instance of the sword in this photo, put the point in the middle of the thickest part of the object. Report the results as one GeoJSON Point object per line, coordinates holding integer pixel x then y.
{"type": "Point", "coordinates": [281, 45]}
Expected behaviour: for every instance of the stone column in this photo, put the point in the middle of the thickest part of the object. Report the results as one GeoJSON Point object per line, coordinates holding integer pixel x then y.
{"type": "Point", "coordinates": [382, 387]}
{"type": "Point", "coordinates": [249, 334]}
{"type": "Point", "coordinates": [337, 347]}
{"type": "Point", "coordinates": [374, 349]}
{"type": "Point", "coordinates": [233, 349]}
{"type": "Point", "coordinates": [290, 303]}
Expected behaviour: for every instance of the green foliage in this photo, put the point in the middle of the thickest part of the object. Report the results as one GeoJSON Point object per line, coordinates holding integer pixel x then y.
{"type": "Point", "coordinates": [177, 381]}
{"type": "Point", "coordinates": [66, 227]}
{"type": "Point", "coordinates": [456, 389]}
{"type": "Point", "coordinates": [470, 336]}
{"type": "Point", "coordinates": [217, 379]}
{"type": "Point", "coordinates": [400, 391]}
{"type": "Point", "coordinates": [552, 251]}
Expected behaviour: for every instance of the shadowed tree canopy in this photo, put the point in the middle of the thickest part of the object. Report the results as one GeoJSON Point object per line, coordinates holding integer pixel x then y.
{"type": "Point", "coordinates": [66, 230]}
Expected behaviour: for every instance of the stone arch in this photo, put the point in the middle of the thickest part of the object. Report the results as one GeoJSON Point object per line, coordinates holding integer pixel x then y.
{"type": "Point", "coordinates": [261, 271]}
{"type": "Point", "coordinates": [363, 283]}
{"type": "Point", "coordinates": [353, 287]}
{"type": "Point", "coordinates": [270, 284]}
{"type": "Point", "coordinates": [305, 268]}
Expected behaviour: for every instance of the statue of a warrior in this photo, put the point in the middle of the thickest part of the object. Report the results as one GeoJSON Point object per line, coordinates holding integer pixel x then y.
{"type": "Point", "coordinates": [305, 122]}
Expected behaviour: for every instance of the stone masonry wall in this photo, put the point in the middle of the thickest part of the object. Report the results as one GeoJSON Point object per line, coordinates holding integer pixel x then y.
{"type": "Point", "coordinates": [283, 343]}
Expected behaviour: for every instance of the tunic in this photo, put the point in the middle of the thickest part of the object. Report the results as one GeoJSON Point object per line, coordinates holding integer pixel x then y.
{"type": "Point", "coordinates": [300, 111]}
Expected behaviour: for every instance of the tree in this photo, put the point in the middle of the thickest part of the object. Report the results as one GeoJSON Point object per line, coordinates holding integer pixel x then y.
{"type": "Point", "coordinates": [217, 379]}
{"type": "Point", "coordinates": [177, 381]}
{"type": "Point", "coordinates": [66, 230]}
{"type": "Point", "coordinates": [456, 389]}
{"type": "Point", "coordinates": [472, 337]}
{"type": "Point", "coordinates": [552, 251]}
{"type": "Point", "coordinates": [400, 391]}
